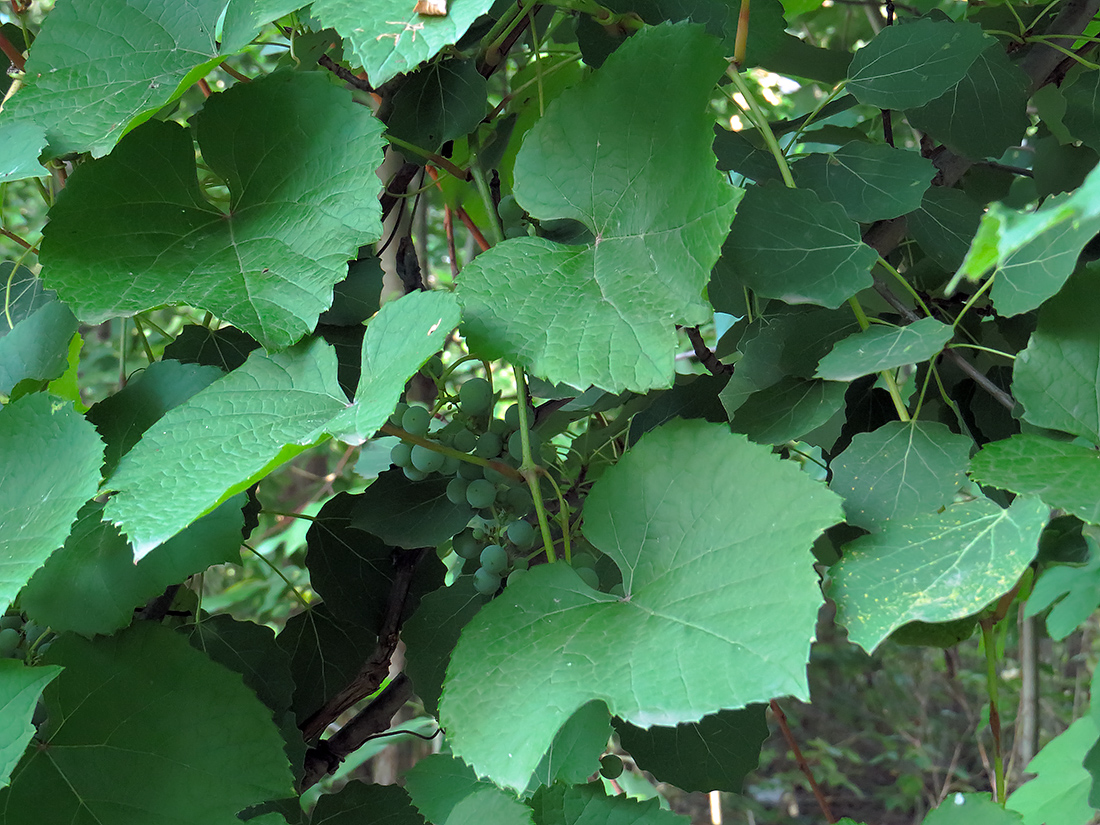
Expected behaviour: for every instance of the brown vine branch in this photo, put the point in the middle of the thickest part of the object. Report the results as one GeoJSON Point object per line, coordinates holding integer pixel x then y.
{"type": "Point", "coordinates": [800, 760]}
{"type": "Point", "coordinates": [377, 667]}
{"type": "Point", "coordinates": [11, 235]}
{"type": "Point", "coordinates": [706, 357]}
{"type": "Point", "coordinates": [327, 755]}
{"type": "Point", "coordinates": [345, 75]}
{"type": "Point", "coordinates": [13, 54]}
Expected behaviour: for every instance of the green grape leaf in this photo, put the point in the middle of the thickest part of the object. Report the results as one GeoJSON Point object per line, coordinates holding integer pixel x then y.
{"type": "Point", "coordinates": [566, 805]}
{"type": "Point", "coordinates": [945, 224]}
{"type": "Point", "coordinates": [441, 102]}
{"type": "Point", "coordinates": [1072, 594]}
{"type": "Point", "coordinates": [123, 417]}
{"type": "Point", "coordinates": [1066, 476]}
{"type": "Point", "coordinates": [325, 654]}
{"type": "Point", "coordinates": [785, 411]}
{"type": "Point", "coordinates": [221, 439]}
{"type": "Point", "coordinates": [432, 632]}
{"type": "Point", "coordinates": [1039, 268]}
{"type": "Point", "coordinates": [909, 65]}
{"type": "Point", "coordinates": [1055, 376]}
{"type": "Point", "coordinates": [36, 347]}
{"type": "Point", "coordinates": [688, 587]}
{"type": "Point", "coordinates": [401, 337]}
{"type": "Point", "coordinates": [389, 37]}
{"type": "Point", "coordinates": [933, 568]}
{"type": "Point", "coordinates": [22, 294]}
{"type": "Point", "coordinates": [447, 792]}
{"type": "Point", "coordinates": [1060, 790]}
{"type": "Point", "coordinates": [901, 470]}
{"type": "Point", "coordinates": [715, 753]}
{"type": "Point", "coordinates": [94, 69]}
{"type": "Point", "coordinates": [226, 348]}
{"type": "Point", "coordinates": [302, 201]}
{"type": "Point", "coordinates": [985, 113]}
{"type": "Point", "coordinates": [20, 687]}
{"type": "Point", "coordinates": [884, 348]}
{"type": "Point", "coordinates": [407, 513]}
{"type": "Point", "coordinates": [604, 314]}
{"type": "Point", "coordinates": [871, 181]}
{"type": "Point", "coordinates": [1082, 102]}
{"type": "Point", "coordinates": [245, 18]}
{"type": "Point", "coordinates": [49, 466]}
{"type": "Point", "coordinates": [91, 585]}
{"type": "Point", "coordinates": [358, 802]}
{"type": "Point", "coordinates": [971, 809]}
{"type": "Point", "coordinates": [791, 245]}
{"type": "Point", "coordinates": [136, 707]}
{"type": "Point", "coordinates": [574, 755]}
{"type": "Point", "coordinates": [21, 142]}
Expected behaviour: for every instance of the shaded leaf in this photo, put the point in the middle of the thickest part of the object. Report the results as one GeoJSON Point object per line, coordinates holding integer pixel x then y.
{"type": "Point", "coordinates": [562, 805]}
{"type": "Point", "coordinates": [789, 244]}
{"type": "Point", "coordinates": [37, 347]}
{"type": "Point", "coordinates": [1082, 103]}
{"type": "Point", "coordinates": [49, 466]}
{"type": "Point", "coordinates": [901, 470]}
{"type": "Point", "coordinates": [945, 224]}
{"type": "Point", "coordinates": [909, 65]}
{"type": "Point", "coordinates": [250, 420]}
{"type": "Point", "coordinates": [302, 201]}
{"type": "Point", "coordinates": [226, 348]}
{"type": "Point", "coordinates": [1060, 790]}
{"type": "Point", "coordinates": [788, 410]}
{"type": "Point", "coordinates": [407, 513]}
{"type": "Point", "coordinates": [574, 755]}
{"type": "Point", "coordinates": [1071, 593]}
{"type": "Point", "coordinates": [136, 707]}
{"type": "Point", "coordinates": [715, 753]}
{"type": "Point", "coordinates": [604, 314]}
{"type": "Point", "coordinates": [441, 102]}
{"type": "Point", "coordinates": [688, 587]}
{"type": "Point", "coordinates": [358, 803]}
{"type": "Point", "coordinates": [884, 348]}
{"type": "Point", "coordinates": [448, 792]}
{"type": "Point", "coordinates": [933, 568]}
{"type": "Point", "coordinates": [20, 687]}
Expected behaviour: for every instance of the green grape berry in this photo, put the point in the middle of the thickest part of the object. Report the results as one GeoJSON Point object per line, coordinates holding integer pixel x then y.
{"type": "Point", "coordinates": [401, 454]}
{"type": "Point", "coordinates": [466, 544]}
{"type": "Point", "coordinates": [589, 577]}
{"type": "Point", "coordinates": [470, 471]}
{"type": "Point", "coordinates": [486, 583]}
{"type": "Point", "coordinates": [511, 417]}
{"type": "Point", "coordinates": [494, 558]}
{"type": "Point", "coordinates": [416, 420]}
{"type": "Point", "coordinates": [456, 490]}
{"type": "Point", "coordinates": [476, 396]}
{"type": "Point", "coordinates": [398, 413]}
{"type": "Point", "coordinates": [413, 474]}
{"type": "Point", "coordinates": [433, 367]}
{"type": "Point", "coordinates": [465, 440]}
{"type": "Point", "coordinates": [480, 493]}
{"type": "Point", "coordinates": [617, 590]}
{"type": "Point", "coordinates": [450, 465]}
{"type": "Point", "coordinates": [521, 534]}
{"type": "Point", "coordinates": [518, 573]}
{"type": "Point", "coordinates": [14, 622]}
{"type": "Point", "coordinates": [518, 500]}
{"type": "Point", "coordinates": [9, 641]}
{"type": "Point", "coordinates": [426, 460]}
{"type": "Point", "coordinates": [498, 427]}
{"type": "Point", "coordinates": [32, 632]}
{"type": "Point", "coordinates": [489, 445]}
{"type": "Point", "coordinates": [611, 766]}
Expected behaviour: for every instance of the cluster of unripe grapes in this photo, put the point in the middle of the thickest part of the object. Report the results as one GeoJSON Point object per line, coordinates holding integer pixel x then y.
{"type": "Point", "coordinates": [19, 636]}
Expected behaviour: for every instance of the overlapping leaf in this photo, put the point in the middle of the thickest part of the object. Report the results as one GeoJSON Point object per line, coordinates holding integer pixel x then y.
{"type": "Point", "coordinates": [389, 37]}
{"type": "Point", "coordinates": [1082, 100]}
{"type": "Point", "coordinates": [1071, 593]}
{"type": "Point", "coordinates": [1055, 377]}
{"type": "Point", "coordinates": [302, 201]}
{"type": "Point", "coordinates": [909, 65]}
{"type": "Point", "coordinates": [789, 244]}
{"type": "Point", "coordinates": [884, 348]}
{"type": "Point", "coordinates": [447, 792]}
{"type": "Point", "coordinates": [20, 687]}
{"type": "Point", "coordinates": [36, 347]}
{"type": "Point", "coordinates": [49, 466]}
{"type": "Point", "coordinates": [945, 224]}
{"type": "Point", "coordinates": [739, 621]}
{"type": "Point", "coordinates": [574, 755]}
{"type": "Point", "coordinates": [441, 102]}
{"type": "Point", "coordinates": [358, 802]}
{"type": "Point", "coordinates": [244, 19]}
{"type": "Point", "coordinates": [788, 410]}
{"type": "Point", "coordinates": [935, 567]}
{"type": "Point", "coordinates": [971, 809]}
{"type": "Point", "coordinates": [21, 143]}
{"type": "Point", "coordinates": [565, 805]}
{"type": "Point", "coordinates": [646, 187]}
{"type": "Point", "coordinates": [139, 707]}
{"type": "Point", "coordinates": [1060, 790]}
{"type": "Point", "coordinates": [238, 427]}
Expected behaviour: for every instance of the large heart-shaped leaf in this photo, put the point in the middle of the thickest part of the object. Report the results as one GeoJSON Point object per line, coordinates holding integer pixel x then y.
{"type": "Point", "coordinates": [714, 622]}
{"type": "Point", "coordinates": [134, 230]}
{"type": "Point", "coordinates": [646, 187]}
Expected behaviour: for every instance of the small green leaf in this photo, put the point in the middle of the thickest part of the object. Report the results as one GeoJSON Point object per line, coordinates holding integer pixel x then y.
{"type": "Point", "coordinates": [441, 102]}
{"type": "Point", "coordinates": [357, 803]}
{"type": "Point", "coordinates": [985, 113]}
{"type": "Point", "coordinates": [136, 707]}
{"type": "Point", "coordinates": [389, 37]}
{"type": "Point", "coordinates": [399, 339]}
{"type": "Point", "coordinates": [1060, 790]}
{"type": "Point", "coordinates": [604, 314]}
{"type": "Point", "coordinates": [934, 568]}
{"type": "Point", "coordinates": [1072, 593]}
{"type": "Point", "coordinates": [693, 583]}
{"type": "Point", "coordinates": [302, 200]}
{"type": "Point", "coordinates": [945, 225]}
{"type": "Point", "coordinates": [971, 809]}
{"type": "Point", "coordinates": [789, 244]}
{"type": "Point", "coordinates": [566, 805]}
{"type": "Point", "coordinates": [1055, 376]}
{"type": "Point", "coordinates": [20, 687]}
{"type": "Point", "coordinates": [1066, 476]}
{"type": "Point", "coordinates": [245, 18]}
{"type": "Point", "coordinates": [871, 181]}
{"type": "Point", "coordinates": [574, 755]}
{"type": "Point", "coordinates": [91, 585]}
{"type": "Point", "coordinates": [899, 471]}
{"type": "Point", "coordinates": [49, 466]}
{"type": "Point", "coordinates": [407, 513]}
{"type": "Point", "coordinates": [715, 753]}
{"type": "Point", "coordinates": [242, 421]}
{"type": "Point", "coordinates": [448, 792]}
{"type": "Point", "coordinates": [788, 410]}
{"type": "Point", "coordinates": [21, 142]}
{"type": "Point", "coordinates": [909, 65]}
{"type": "Point", "coordinates": [884, 348]}
{"type": "Point", "coordinates": [37, 347]}
{"type": "Point", "coordinates": [1082, 103]}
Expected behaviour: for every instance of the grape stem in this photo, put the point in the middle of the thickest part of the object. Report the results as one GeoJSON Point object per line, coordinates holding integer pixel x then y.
{"type": "Point", "coordinates": [435, 446]}
{"type": "Point", "coordinates": [530, 470]}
